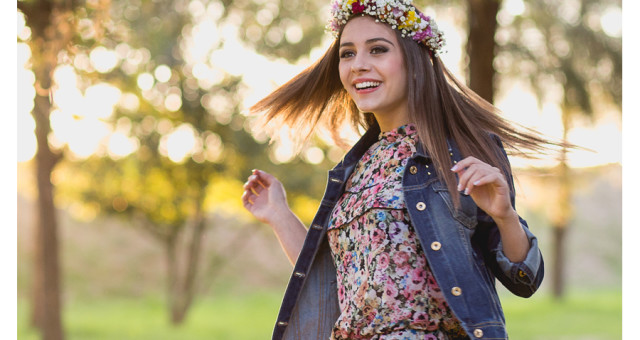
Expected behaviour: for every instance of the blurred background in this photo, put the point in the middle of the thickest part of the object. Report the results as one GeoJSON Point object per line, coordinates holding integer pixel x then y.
{"type": "Point", "coordinates": [134, 141]}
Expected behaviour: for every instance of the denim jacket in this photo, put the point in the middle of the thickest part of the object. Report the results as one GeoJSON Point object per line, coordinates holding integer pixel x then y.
{"type": "Point", "coordinates": [462, 246]}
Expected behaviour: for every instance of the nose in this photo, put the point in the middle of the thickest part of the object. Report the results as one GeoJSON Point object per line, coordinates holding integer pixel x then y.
{"type": "Point", "coordinates": [360, 64]}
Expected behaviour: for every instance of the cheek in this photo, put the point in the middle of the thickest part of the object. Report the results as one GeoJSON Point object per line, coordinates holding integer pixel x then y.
{"type": "Point", "coordinates": [400, 72]}
{"type": "Point", "coordinates": [343, 69]}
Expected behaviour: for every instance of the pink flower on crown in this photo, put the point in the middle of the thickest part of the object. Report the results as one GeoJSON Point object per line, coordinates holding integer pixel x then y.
{"type": "Point", "coordinates": [419, 36]}
{"type": "Point", "coordinates": [357, 7]}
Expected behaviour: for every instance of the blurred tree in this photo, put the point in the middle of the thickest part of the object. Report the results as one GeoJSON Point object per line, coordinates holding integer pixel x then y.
{"type": "Point", "coordinates": [53, 26]}
{"type": "Point", "coordinates": [280, 28]}
{"type": "Point", "coordinates": [180, 114]}
{"type": "Point", "coordinates": [552, 45]}
{"type": "Point", "coordinates": [565, 46]}
{"type": "Point", "coordinates": [481, 45]}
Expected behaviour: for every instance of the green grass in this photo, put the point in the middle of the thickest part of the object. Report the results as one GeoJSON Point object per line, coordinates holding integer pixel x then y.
{"type": "Point", "coordinates": [237, 317]}
{"type": "Point", "coordinates": [579, 316]}
{"type": "Point", "coordinates": [583, 316]}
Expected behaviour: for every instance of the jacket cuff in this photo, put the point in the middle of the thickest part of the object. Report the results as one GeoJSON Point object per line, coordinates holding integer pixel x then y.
{"type": "Point", "coordinates": [524, 271]}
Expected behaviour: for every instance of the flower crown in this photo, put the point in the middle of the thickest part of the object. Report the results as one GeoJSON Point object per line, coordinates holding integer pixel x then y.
{"type": "Point", "coordinates": [400, 14]}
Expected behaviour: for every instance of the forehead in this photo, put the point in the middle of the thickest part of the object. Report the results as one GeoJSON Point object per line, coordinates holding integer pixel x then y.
{"type": "Point", "coordinates": [363, 28]}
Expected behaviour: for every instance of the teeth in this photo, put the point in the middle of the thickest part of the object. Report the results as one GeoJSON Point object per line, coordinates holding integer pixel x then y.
{"type": "Point", "coordinates": [366, 84]}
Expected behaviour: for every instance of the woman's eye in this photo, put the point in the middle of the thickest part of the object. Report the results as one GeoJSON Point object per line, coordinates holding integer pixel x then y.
{"type": "Point", "coordinates": [346, 54]}
{"type": "Point", "coordinates": [379, 49]}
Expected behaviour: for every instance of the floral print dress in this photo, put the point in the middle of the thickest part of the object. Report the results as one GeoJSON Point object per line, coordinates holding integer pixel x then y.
{"type": "Point", "coordinates": [386, 290]}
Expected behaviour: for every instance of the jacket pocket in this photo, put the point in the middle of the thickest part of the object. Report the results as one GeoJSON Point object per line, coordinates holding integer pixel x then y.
{"type": "Point", "coordinates": [466, 213]}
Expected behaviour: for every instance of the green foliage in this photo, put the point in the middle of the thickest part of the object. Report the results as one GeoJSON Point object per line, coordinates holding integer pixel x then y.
{"type": "Point", "coordinates": [556, 42]}
{"type": "Point", "coordinates": [280, 28]}
{"type": "Point", "coordinates": [146, 185]}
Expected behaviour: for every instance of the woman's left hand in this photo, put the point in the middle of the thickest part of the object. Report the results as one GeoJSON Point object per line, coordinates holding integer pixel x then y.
{"type": "Point", "coordinates": [486, 185]}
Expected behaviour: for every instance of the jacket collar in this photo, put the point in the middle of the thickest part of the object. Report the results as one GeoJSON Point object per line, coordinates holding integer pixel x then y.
{"type": "Point", "coordinates": [368, 139]}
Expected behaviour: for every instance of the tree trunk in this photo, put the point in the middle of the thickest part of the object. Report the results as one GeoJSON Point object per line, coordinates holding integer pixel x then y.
{"type": "Point", "coordinates": [52, 29]}
{"type": "Point", "coordinates": [563, 213]}
{"type": "Point", "coordinates": [172, 271]}
{"type": "Point", "coordinates": [47, 286]}
{"type": "Point", "coordinates": [558, 283]}
{"type": "Point", "coordinates": [482, 26]}
{"type": "Point", "coordinates": [184, 290]}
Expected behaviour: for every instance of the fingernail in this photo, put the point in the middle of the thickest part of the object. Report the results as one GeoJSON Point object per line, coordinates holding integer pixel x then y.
{"type": "Point", "coordinates": [476, 182]}
{"type": "Point", "coordinates": [455, 167]}
{"type": "Point", "coordinates": [466, 191]}
{"type": "Point", "coordinates": [459, 187]}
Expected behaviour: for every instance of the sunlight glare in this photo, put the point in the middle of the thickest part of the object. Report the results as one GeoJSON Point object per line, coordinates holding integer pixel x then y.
{"type": "Point", "coordinates": [65, 76]}
{"type": "Point", "coordinates": [173, 102]}
{"type": "Point", "coordinates": [284, 150]}
{"type": "Point", "coordinates": [611, 22]}
{"type": "Point", "coordinates": [103, 60]}
{"type": "Point", "coordinates": [162, 73]}
{"type": "Point", "coordinates": [179, 144]}
{"type": "Point", "coordinates": [129, 101]}
{"type": "Point", "coordinates": [100, 100]}
{"type": "Point", "coordinates": [87, 136]}
{"type": "Point", "coordinates": [145, 81]}
{"type": "Point", "coordinates": [314, 155]}
{"type": "Point", "coordinates": [68, 98]}
{"type": "Point", "coordinates": [294, 33]}
{"type": "Point", "coordinates": [24, 32]}
{"type": "Point", "coordinates": [514, 7]}
{"type": "Point", "coordinates": [24, 55]}
{"type": "Point", "coordinates": [120, 145]}
{"type": "Point", "coordinates": [204, 36]}
{"type": "Point", "coordinates": [214, 147]}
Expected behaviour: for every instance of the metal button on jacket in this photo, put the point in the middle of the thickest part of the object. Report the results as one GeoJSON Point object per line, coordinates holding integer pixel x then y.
{"type": "Point", "coordinates": [299, 274]}
{"type": "Point", "coordinates": [421, 206]}
{"type": "Point", "coordinates": [456, 291]}
{"type": "Point", "coordinates": [413, 170]}
{"type": "Point", "coordinates": [478, 333]}
{"type": "Point", "coordinates": [435, 245]}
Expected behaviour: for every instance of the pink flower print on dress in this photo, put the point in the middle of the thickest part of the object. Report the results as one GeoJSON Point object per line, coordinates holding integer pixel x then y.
{"type": "Point", "coordinates": [341, 292]}
{"type": "Point", "coordinates": [382, 261]}
{"type": "Point", "coordinates": [378, 236]}
{"type": "Point", "coordinates": [418, 276]}
{"type": "Point", "coordinates": [390, 289]}
{"type": "Point", "coordinates": [400, 258]}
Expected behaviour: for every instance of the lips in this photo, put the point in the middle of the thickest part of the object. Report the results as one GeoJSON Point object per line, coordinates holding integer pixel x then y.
{"type": "Point", "coordinates": [366, 85]}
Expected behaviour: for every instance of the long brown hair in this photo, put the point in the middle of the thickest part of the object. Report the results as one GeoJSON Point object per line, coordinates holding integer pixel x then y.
{"type": "Point", "coordinates": [440, 106]}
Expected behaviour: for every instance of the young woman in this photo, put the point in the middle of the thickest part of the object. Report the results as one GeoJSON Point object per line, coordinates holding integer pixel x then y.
{"type": "Point", "coordinates": [419, 217]}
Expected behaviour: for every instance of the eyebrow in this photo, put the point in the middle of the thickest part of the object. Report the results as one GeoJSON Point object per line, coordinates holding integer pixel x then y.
{"type": "Point", "coordinates": [372, 40]}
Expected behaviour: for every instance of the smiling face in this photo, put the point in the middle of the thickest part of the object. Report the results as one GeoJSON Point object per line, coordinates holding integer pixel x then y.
{"type": "Point", "coordinates": [373, 72]}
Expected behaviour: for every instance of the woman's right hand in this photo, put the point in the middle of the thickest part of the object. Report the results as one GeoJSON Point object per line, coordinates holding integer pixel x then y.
{"type": "Point", "coordinates": [264, 197]}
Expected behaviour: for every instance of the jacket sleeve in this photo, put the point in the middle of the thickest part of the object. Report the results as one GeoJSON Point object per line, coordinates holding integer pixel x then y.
{"type": "Point", "coordinates": [521, 278]}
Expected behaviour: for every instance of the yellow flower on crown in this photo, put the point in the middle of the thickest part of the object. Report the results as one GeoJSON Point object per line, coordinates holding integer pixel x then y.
{"type": "Point", "coordinates": [349, 2]}
{"type": "Point", "coordinates": [410, 20]}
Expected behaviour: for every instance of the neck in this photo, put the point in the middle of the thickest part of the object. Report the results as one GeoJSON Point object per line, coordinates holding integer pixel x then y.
{"type": "Point", "coordinates": [390, 121]}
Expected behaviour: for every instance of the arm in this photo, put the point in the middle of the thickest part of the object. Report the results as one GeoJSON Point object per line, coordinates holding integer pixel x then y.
{"type": "Point", "coordinates": [510, 250]}
{"type": "Point", "coordinates": [265, 198]}
{"type": "Point", "coordinates": [489, 189]}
